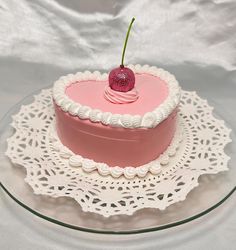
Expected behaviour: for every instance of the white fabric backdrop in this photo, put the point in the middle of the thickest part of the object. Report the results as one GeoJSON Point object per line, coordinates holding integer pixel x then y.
{"type": "Point", "coordinates": [41, 40]}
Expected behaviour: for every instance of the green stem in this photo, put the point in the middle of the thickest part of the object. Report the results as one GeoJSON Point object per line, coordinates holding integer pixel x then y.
{"type": "Point", "coordinates": [126, 40]}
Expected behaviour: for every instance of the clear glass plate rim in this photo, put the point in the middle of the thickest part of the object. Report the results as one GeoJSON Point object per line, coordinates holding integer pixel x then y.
{"type": "Point", "coordinates": [138, 231]}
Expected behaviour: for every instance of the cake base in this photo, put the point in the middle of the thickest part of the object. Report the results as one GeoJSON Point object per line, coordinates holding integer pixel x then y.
{"type": "Point", "coordinates": [88, 165]}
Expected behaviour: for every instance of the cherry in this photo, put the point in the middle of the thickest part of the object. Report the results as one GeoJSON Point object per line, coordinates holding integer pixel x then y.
{"type": "Point", "coordinates": [122, 78]}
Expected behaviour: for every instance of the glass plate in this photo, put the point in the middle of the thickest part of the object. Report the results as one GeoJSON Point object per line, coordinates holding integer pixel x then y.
{"type": "Point", "coordinates": [212, 191]}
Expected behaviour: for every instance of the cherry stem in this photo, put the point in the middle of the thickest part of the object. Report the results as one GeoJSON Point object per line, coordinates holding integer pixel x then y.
{"type": "Point", "coordinates": [126, 40]}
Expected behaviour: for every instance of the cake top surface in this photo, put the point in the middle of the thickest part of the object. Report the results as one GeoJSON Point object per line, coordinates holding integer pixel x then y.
{"type": "Point", "coordinates": [151, 89]}
{"type": "Point", "coordinates": [82, 95]}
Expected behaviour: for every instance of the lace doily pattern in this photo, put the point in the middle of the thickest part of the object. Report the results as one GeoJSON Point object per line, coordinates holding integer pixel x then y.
{"type": "Point", "coordinates": [201, 152]}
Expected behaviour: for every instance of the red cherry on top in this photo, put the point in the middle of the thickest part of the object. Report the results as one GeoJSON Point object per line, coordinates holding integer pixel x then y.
{"type": "Point", "coordinates": [122, 78]}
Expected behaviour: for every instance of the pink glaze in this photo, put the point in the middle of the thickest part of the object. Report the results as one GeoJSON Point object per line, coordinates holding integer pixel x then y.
{"type": "Point", "coordinates": [152, 92]}
{"type": "Point", "coordinates": [114, 146]}
{"type": "Point", "coordinates": [120, 97]}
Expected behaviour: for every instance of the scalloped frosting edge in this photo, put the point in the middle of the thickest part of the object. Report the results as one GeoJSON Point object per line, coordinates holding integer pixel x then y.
{"type": "Point", "coordinates": [154, 167]}
{"type": "Point", "coordinates": [148, 120]}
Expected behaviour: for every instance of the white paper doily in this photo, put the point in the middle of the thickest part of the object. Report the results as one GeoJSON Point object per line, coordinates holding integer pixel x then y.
{"type": "Point", "coordinates": [201, 152]}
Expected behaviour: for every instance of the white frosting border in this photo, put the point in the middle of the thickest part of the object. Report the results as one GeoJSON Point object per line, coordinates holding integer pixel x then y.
{"type": "Point", "coordinates": [148, 120]}
{"type": "Point", "coordinates": [154, 167]}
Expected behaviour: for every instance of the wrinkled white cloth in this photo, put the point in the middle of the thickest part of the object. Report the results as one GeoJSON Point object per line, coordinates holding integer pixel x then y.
{"type": "Point", "coordinates": [41, 40]}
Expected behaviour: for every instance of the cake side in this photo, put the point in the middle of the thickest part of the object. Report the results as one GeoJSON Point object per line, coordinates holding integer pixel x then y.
{"type": "Point", "coordinates": [115, 146]}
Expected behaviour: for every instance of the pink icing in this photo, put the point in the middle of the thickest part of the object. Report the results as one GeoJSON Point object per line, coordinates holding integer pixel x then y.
{"type": "Point", "coordinates": [114, 146]}
{"type": "Point", "coordinates": [120, 97]}
{"type": "Point", "coordinates": [152, 92]}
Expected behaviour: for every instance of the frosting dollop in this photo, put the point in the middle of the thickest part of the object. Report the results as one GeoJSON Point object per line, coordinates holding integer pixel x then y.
{"type": "Point", "coordinates": [118, 97]}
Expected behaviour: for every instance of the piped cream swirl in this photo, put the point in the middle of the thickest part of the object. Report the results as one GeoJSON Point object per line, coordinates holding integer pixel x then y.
{"type": "Point", "coordinates": [118, 97]}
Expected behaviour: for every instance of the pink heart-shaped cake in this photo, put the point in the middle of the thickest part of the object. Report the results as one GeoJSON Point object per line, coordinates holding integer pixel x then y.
{"type": "Point", "coordinates": [117, 128]}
